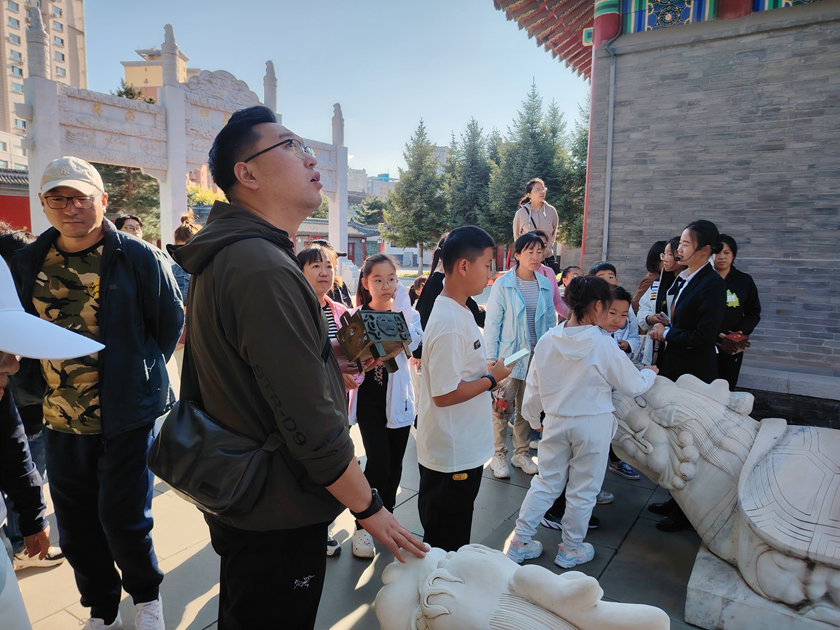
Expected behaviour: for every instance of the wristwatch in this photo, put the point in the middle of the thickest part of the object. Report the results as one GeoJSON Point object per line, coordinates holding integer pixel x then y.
{"type": "Point", "coordinates": [492, 381]}
{"type": "Point", "coordinates": [373, 508]}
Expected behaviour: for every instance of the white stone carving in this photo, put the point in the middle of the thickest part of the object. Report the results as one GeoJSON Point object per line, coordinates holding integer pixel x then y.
{"type": "Point", "coordinates": [223, 86]}
{"type": "Point", "coordinates": [477, 588]}
{"type": "Point", "coordinates": [764, 497]}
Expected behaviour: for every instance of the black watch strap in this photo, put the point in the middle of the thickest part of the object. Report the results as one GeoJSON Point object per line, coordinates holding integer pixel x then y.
{"type": "Point", "coordinates": [373, 508]}
{"type": "Point", "coordinates": [492, 381]}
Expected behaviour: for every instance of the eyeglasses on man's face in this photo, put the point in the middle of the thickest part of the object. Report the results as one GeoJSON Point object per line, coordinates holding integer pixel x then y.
{"type": "Point", "coordinates": [59, 202]}
{"type": "Point", "coordinates": [301, 150]}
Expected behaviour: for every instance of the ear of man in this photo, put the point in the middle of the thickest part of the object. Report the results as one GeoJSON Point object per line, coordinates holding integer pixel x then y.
{"type": "Point", "coordinates": [244, 176]}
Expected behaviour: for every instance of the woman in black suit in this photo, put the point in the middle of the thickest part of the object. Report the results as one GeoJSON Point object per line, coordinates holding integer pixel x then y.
{"type": "Point", "coordinates": [742, 313]}
{"type": "Point", "coordinates": [696, 305]}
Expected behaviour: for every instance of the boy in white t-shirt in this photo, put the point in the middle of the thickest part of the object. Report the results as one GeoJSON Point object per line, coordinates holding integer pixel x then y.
{"type": "Point", "coordinates": [454, 428]}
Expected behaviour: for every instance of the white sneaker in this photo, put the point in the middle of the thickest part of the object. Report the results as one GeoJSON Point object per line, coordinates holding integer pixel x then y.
{"type": "Point", "coordinates": [525, 464]}
{"type": "Point", "coordinates": [96, 623]}
{"type": "Point", "coordinates": [568, 557]}
{"type": "Point", "coordinates": [53, 558]}
{"type": "Point", "coordinates": [499, 466]}
{"type": "Point", "coordinates": [604, 497]}
{"type": "Point", "coordinates": [363, 546]}
{"type": "Point", "coordinates": [149, 615]}
{"type": "Point", "coordinates": [524, 551]}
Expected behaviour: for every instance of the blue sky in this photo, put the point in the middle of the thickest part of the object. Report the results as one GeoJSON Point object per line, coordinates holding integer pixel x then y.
{"type": "Point", "coordinates": [389, 63]}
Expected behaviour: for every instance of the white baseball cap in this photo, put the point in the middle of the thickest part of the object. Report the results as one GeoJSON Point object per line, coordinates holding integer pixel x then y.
{"type": "Point", "coordinates": [30, 336]}
{"type": "Point", "coordinates": [73, 172]}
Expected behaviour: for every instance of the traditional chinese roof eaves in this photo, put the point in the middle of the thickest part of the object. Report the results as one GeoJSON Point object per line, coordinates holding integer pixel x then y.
{"type": "Point", "coordinates": [557, 25]}
{"type": "Point", "coordinates": [313, 227]}
{"type": "Point", "coordinates": [14, 177]}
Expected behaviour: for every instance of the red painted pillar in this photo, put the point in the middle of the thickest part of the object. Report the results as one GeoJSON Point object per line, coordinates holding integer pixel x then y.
{"type": "Point", "coordinates": [729, 9]}
{"type": "Point", "coordinates": [606, 26]}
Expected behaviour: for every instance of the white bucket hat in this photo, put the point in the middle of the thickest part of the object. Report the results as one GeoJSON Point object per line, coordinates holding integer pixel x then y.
{"type": "Point", "coordinates": [29, 336]}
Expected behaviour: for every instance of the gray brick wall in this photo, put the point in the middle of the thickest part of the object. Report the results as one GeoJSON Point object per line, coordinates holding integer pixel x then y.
{"type": "Point", "coordinates": [736, 121]}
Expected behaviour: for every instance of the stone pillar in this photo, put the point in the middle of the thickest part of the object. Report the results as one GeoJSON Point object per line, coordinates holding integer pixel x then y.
{"type": "Point", "coordinates": [338, 203]}
{"type": "Point", "coordinates": [173, 188]}
{"type": "Point", "coordinates": [43, 139]}
{"type": "Point", "coordinates": [270, 87]}
{"type": "Point", "coordinates": [37, 46]}
{"type": "Point", "coordinates": [169, 61]}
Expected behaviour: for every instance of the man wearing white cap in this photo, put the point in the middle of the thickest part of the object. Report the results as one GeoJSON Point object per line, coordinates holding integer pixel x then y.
{"type": "Point", "coordinates": [85, 275]}
{"type": "Point", "coordinates": [25, 335]}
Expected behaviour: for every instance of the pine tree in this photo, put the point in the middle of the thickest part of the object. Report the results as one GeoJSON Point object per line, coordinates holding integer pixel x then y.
{"type": "Point", "coordinates": [417, 213]}
{"type": "Point", "coordinates": [132, 192]}
{"type": "Point", "coordinates": [126, 90]}
{"type": "Point", "coordinates": [571, 224]}
{"type": "Point", "coordinates": [468, 192]}
{"type": "Point", "coordinates": [370, 211]}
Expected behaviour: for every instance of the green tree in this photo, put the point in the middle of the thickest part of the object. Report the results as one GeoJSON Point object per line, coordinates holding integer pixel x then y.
{"type": "Point", "coordinates": [535, 147]}
{"type": "Point", "coordinates": [126, 90]}
{"type": "Point", "coordinates": [417, 208]}
{"type": "Point", "coordinates": [370, 211]}
{"type": "Point", "coordinates": [467, 187]}
{"type": "Point", "coordinates": [132, 192]}
{"type": "Point", "coordinates": [323, 211]}
{"type": "Point", "coordinates": [571, 221]}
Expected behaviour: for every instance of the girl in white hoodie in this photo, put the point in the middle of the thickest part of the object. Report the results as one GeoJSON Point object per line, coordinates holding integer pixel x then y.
{"type": "Point", "coordinates": [578, 424]}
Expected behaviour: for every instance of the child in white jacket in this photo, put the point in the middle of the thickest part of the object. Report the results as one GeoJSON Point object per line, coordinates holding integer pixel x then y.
{"type": "Point", "coordinates": [578, 424]}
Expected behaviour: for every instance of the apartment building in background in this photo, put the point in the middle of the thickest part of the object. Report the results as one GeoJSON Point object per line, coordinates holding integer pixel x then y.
{"type": "Point", "coordinates": [65, 26]}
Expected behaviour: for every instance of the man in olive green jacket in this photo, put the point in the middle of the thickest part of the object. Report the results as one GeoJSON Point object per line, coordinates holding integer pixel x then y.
{"type": "Point", "coordinates": [264, 363]}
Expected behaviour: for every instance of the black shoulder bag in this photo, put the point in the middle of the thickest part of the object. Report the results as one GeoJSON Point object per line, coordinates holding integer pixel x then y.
{"type": "Point", "coordinates": [219, 470]}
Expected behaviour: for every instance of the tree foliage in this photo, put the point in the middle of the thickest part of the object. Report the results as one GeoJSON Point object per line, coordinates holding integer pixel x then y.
{"type": "Point", "coordinates": [198, 196]}
{"type": "Point", "coordinates": [323, 211]}
{"type": "Point", "coordinates": [571, 220]}
{"type": "Point", "coordinates": [468, 177]}
{"type": "Point", "coordinates": [126, 90]}
{"type": "Point", "coordinates": [132, 192]}
{"type": "Point", "coordinates": [370, 211]}
{"type": "Point", "coordinates": [535, 147]}
{"type": "Point", "coordinates": [417, 212]}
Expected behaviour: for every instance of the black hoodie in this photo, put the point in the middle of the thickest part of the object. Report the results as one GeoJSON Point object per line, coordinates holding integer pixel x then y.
{"type": "Point", "coordinates": [263, 362]}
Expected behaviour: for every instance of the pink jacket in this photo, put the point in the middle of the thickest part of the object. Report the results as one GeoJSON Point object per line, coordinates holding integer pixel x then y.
{"type": "Point", "coordinates": [559, 305]}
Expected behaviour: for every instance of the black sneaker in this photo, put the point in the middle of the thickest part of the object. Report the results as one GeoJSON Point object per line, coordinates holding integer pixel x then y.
{"type": "Point", "coordinates": [552, 522]}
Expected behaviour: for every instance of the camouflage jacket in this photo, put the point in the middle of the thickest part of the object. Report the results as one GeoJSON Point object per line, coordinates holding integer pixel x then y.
{"type": "Point", "coordinates": [141, 318]}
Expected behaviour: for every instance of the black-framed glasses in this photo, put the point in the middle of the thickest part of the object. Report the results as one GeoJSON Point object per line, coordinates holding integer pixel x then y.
{"type": "Point", "coordinates": [301, 150]}
{"type": "Point", "coordinates": [59, 202]}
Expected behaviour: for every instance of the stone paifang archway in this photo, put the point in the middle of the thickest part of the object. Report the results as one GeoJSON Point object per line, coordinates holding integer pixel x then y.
{"type": "Point", "coordinates": [152, 137]}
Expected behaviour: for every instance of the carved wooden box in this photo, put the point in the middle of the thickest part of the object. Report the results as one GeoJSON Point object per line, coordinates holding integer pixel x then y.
{"type": "Point", "coordinates": [378, 334]}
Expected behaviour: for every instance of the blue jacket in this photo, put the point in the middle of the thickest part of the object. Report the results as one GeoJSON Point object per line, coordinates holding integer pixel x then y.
{"type": "Point", "coordinates": [140, 320]}
{"type": "Point", "coordinates": [506, 327]}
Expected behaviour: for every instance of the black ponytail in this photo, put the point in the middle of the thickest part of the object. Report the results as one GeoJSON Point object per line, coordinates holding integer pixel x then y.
{"type": "Point", "coordinates": [706, 233]}
{"type": "Point", "coordinates": [583, 291]}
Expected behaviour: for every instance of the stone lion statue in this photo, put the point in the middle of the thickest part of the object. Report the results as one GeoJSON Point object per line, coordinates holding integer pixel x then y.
{"type": "Point", "coordinates": [764, 497]}
{"type": "Point", "coordinates": [478, 588]}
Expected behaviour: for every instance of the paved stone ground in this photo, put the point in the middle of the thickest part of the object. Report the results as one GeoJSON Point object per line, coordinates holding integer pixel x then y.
{"type": "Point", "coordinates": [633, 561]}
